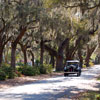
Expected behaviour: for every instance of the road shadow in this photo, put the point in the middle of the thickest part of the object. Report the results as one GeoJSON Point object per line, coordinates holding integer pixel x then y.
{"type": "Point", "coordinates": [68, 93]}
{"type": "Point", "coordinates": [64, 91]}
{"type": "Point", "coordinates": [43, 96]}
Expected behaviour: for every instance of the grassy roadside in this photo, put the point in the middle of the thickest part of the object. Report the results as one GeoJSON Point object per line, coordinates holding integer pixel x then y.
{"type": "Point", "coordinates": [89, 95]}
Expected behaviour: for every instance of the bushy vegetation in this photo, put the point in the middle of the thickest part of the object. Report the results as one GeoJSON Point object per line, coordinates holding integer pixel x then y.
{"type": "Point", "coordinates": [51, 36]}
{"type": "Point", "coordinates": [34, 70]}
{"type": "Point", "coordinates": [84, 66]}
{"type": "Point", "coordinates": [91, 63]}
{"type": "Point", "coordinates": [9, 72]}
{"type": "Point", "coordinates": [2, 75]}
{"type": "Point", "coordinates": [45, 69]}
{"type": "Point", "coordinates": [28, 70]}
{"type": "Point", "coordinates": [6, 72]}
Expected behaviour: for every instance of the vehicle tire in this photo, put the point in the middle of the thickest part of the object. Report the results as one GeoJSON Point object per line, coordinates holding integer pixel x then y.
{"type": "Point", "coordinates": [65, 74]}
{"type": "Point", "coordinates": [79, 74]}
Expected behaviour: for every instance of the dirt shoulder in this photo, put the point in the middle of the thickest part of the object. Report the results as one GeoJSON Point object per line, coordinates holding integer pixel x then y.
{"type": "Point", "coordinates": [25, 80]}
{"type": "Point", "coordinates": [28, 79]}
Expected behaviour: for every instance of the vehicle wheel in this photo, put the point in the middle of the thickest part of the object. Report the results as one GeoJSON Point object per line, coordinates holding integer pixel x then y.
{"type": "Point", "coordinates": [65, 74]}
{"type": "Point", "coordinates": [79, 74]}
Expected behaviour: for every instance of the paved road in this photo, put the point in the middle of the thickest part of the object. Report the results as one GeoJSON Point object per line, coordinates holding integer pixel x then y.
{"type": "Point", "coordinates": [54, 88]}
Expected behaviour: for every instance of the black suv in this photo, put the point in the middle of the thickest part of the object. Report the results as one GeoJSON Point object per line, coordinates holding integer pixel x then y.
{"type": "Point", "coordinates": [72, 67]}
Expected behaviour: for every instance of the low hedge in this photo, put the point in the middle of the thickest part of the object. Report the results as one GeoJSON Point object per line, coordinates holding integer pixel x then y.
{"type": "Point", "coordinates": [6, 72]}
{"type": "Point", "coordinates": [2, 75]}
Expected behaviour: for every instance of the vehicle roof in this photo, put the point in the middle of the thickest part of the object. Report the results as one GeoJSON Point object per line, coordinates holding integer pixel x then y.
{"type": "Point", "coordinates": [73, 61]}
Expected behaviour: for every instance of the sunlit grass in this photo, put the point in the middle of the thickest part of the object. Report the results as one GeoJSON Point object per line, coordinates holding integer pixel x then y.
{"type": "Point", "coordinates": [91, 95]}
{"type": "Point", "coordinates": [98, 78]}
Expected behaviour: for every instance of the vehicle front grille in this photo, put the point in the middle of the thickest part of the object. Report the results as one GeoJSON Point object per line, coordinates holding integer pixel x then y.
{"type": "Point", "coordinates": [71, 69]}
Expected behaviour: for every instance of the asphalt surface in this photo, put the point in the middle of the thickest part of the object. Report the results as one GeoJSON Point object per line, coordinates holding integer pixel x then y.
{"type": "Point", "coordinates": [57, 88]}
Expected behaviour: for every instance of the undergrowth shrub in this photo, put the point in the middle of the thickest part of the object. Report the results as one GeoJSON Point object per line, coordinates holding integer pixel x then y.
{"type": "Point", "coordinates": [91, 64]}
{"type": "Point", "coordinates": [45, 69]}
{"type": "Point", "coordinates": [10, 74]}
{"type": "Point", "coordinates": [6, 72]}
{"type": "Point", "coordinates": [34, 70]}
{"type": "Point", "coordinates": [84, 66]}
{"type": "Point", "coordinates": [2, 75]}
{"type": "Point", "coordinates": [29, 70]}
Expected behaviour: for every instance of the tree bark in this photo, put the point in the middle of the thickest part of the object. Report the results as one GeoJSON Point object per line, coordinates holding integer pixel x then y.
{"type": "Point", "coordinates": [32, 54]}
{"type": "Point", "coordinates": [14, 45]}
{"type": "Point", "coordinates": [59, 62]}
{"type": "Point", "coordinates": [42, 51]}
{"type": "Point", "coordinates": [24, 50]}
{"type": "Point", "coordinates": [89, 53]}
{"type": "Point", "coordinates": [1, 52]}
{"type": "Point", "coordinates": [13, 56]}
{"type": "Point", "coordinates": [59, 54]}
{"type": "Point", "coordinates": [59, 59]}
{"type": "Point", "coordinates": [80, 57]}
{"type": "Point", "coordinates": [69, 52]}
{"type": "Point", "coordinates": [25, 56]}
{"type": "Point", "coordinates": [1, 56]}
{"type": "Point", "coordinates": [52, 61]}
{"type": "Point", "coordinates": [50, 50]}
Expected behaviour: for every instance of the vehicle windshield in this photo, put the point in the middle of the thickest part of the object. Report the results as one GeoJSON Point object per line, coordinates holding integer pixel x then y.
{"type": "Point", "coordinates": [72, 63]}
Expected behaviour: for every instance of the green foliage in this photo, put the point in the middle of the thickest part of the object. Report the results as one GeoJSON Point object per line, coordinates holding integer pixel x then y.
{"type": "Point", "coordinates": [84, 66]}
{"type": "Point", "coordinates": [35, 70]}
{"type": "Point", "coordinates": [55, 24]}
{"type": "Point", "coordinates": [45, 69]}
{"type": "Point", "coordinates": [50, 3]}
{"type": "Point", "coordinates": [92, 95]}
{"type": "Point", "coordinates": [18, 74]}
{"type": "Point", "coordinates": [6, 72]}
{"type": "Point", "coordinates": [20, 64]}
{"type": "Point", "coordinates": [28, 70]}
{"type": "Point", "coordinates": [37, 62]}
{"type": "Point", "coordinates": [91, 63]}
{"type": "Point", "coordinates": [2, 75]}
{"type": "Point", "coordinates": [98, 78]}
{"type": "Point", "coordinates": [9, 72]}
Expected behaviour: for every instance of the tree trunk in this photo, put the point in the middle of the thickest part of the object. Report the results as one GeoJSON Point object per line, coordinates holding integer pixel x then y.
{"type": "Point", "coordinates": [1, 53]}
{"type": "Point", "coordinates": [32, 57]}
{"type": "Point", "coordinates": [42, 51]}
{"type": "Point", "coordinates": [68, 52]}
{"type": "Point", "coordinates": [59, 62]}
{"type": "Point", "coordinates": [59, 58]}
{"type": "Point", "coordinates": [25, 57]}
{"type": "Point", "coordinates": [89, 53]}
{"type": "Point", "coordinates": [52, 61]}
{"type": "Point", "coordinates": [88, 56]}
{"type": "Point", "coordinates": [32, 60]}
{"type": "Point", "coordinates": [87, 60]}
{"type": "Point", "coordinates": [24, 50]}
{"type": "Point", "coordinates": [13, 56]}
{"type": "Point", "coordinates": [80, 57]}
{"type": "Point", "coordinates": [14, 44]}
{"type": "Point", "coordinates": [1, 56]}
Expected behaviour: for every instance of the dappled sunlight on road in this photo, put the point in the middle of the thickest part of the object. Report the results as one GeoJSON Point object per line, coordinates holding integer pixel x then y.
{"type": "Point", "coordinates": [54, 88]}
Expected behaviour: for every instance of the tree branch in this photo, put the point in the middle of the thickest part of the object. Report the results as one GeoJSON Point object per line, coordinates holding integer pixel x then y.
{"type": "Point", "coordinates": [7, 40]}
{"type": "Point", "coordinates": [50, 50]}
{"type": "Point", "coordinates": [23, 30]}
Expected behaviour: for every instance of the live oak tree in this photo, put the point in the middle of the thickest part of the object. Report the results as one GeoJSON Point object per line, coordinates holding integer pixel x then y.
{"type": "Point", "coordinates": [60, 27]}
{"type": "Point", "coordinates": [24, 13]}
{"type": "Point", "coordinates": [5, 20]}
